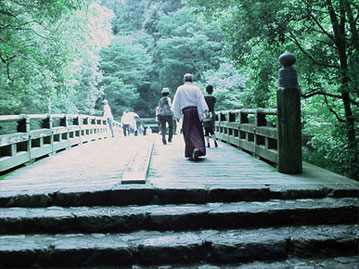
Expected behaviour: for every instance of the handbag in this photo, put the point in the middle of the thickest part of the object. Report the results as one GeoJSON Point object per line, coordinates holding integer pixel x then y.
{"type": "Point", "coordinates": [208, 117]}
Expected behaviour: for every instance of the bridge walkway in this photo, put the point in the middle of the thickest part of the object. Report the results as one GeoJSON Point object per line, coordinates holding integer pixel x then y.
{"type": "Point", "coordinates": [97, 166]}
{"type": "Point", "coordinates": [71, 210]}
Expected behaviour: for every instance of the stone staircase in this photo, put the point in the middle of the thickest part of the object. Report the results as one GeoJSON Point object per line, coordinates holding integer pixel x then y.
{"type": "Point", "coordinates": [148, 227]}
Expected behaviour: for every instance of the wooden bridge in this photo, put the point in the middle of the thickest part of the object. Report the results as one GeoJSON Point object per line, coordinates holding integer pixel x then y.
{"type": "Point", "coordinates": [109, 162]}
{"type": "Point", "coordinates": [85, 199]}
{"type": "Point", "coordinates": [73, 210]}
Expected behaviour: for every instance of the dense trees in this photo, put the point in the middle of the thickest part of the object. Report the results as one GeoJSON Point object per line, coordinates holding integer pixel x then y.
{"type": "Point", "coordinates": [324, 37]}
{"type": "Point", "coordinates": [49, 53]}
{"type": "Point", "coordinates": [67, 55]}
{"type": "Point", "coordinates": [173, 41]}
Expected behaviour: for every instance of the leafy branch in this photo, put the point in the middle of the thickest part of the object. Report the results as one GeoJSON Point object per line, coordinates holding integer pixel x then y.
{"type": "Point", "coordinates": [300, 47]}
{"type": "Point", "coordinates": [310, 93]}
{"type": "Point", "coordinates": [321, 28]}
{"type": "Point", "coordinates": [332, 110]}
{"type": "Point", "coordinates": [6, 61]}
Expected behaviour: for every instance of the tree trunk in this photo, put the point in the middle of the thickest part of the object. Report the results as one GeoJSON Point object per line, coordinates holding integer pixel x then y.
{"type": "Point", "coordinates": [338, 24]}
{"type": "Point", "coordinates": [349, 121]}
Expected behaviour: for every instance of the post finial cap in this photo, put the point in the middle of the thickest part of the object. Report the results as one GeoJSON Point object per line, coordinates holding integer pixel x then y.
{"type": "Point", "coordinates": [287, 59]}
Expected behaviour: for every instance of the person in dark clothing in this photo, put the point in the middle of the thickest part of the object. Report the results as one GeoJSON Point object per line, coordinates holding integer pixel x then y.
{"type": "Point", "coordinates": [209, 125]}
{"type": "Point", "coordinates": [166, 115]}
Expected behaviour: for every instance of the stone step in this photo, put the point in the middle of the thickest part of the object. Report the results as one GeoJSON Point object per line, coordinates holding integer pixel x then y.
{"type": "Point", "coordinates": [342, 262]}
{"type": "Point", "coordinates": [147, 194]}
{"type": "Point", "coordinates": [179, 217]}
{"type": "Point", "coordinates": [156, 248]}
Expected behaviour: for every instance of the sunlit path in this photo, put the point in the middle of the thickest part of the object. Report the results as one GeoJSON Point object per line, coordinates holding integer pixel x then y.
{"type": "Point", "coordinates": [94, 165]}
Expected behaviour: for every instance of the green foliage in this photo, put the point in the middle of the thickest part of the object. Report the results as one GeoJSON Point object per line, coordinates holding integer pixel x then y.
{"type": "Point", "coordinates": [175, 41]}
{"type": "Point", "coordinates": [324, 37]}
{"type": "Point", "coordinates": [46, 47]}
{"type": "Point", "coordinates": [187, 44]}
{"type": "Point", "coordinates": [228, 87]}
{"type": "Point", "coordinates": [125, 66]}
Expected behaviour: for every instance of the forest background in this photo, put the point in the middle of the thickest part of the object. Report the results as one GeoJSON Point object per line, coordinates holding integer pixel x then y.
{"type": "Point", "coordinates": [66, 56]}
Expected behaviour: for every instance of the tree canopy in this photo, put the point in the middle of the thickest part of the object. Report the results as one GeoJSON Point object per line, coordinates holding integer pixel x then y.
{"type": "Point", "coordinates": [49, 54]}
{"type": "Point", "coordinates": [325, 39]}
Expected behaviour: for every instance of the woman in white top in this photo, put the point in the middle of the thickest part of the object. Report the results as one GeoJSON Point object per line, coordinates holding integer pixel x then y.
{"type": "Point", "coordinates": [108, 115]}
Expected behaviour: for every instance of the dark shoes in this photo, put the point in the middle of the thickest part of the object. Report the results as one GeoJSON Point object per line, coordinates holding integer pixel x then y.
{"type": "Point", "coordinates": [195, 154]}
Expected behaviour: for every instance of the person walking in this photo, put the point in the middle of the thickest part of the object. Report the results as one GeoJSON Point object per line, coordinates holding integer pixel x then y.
{"type": "Point", "coordinates": [165, 115]}
{"type": "Point", "coordinates": [158, 120]}
{"type": "Point", "coordinates": [209, 125]}
{"type": "Point", "coordinates": [125, 121]}
{"type": "Point", "coordinates": [190, 105]}
{"type": "Point", "coordinates": [108, 115]}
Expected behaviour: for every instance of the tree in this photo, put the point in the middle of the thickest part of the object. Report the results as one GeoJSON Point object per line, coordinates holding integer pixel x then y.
{"type": "Point", "coordinates": [187, 45]}
{"type": "Point", "coordinates": [41, 51]}
{"type": "Point", "coordinates": [322, 34]}
{"type": "Point", "coordinates": [176, 40]}
{"type": "Point", "coordinates": [125, 66]}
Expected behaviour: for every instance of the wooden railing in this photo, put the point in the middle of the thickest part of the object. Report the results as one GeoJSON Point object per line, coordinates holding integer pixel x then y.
{"type": "Point", "coordinates": [150, 123]}
{"type": "Point", "coordinates": [280, 145]}
{"type": "Point", "coordinates": [29, 137]}
{"type": "Point", "coordinates": [250, 130]}
{"type": "Point", "coordinates": [277, 140]}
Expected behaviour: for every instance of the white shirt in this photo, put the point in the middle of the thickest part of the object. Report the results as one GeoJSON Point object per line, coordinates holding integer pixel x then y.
{"type": "Point", "coordinates": [126, 118]}
{"type": "Point", "coordinates": [107, 112]}
{"type": "Point", "coordinates": [188, 95]}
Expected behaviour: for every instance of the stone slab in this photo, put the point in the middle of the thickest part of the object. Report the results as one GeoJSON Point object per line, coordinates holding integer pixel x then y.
{"type": "Point", "coordinates": [182, 217]}
{"type": "Point", "coordinates": [144, 247]}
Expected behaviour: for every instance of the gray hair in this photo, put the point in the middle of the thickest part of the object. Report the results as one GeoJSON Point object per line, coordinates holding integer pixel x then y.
{"type": "Point", "coordinates": [188, 77]}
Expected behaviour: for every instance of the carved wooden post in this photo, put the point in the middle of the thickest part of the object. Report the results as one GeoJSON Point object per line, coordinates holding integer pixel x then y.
{"type": "Point", "coordinates": [289, 128]}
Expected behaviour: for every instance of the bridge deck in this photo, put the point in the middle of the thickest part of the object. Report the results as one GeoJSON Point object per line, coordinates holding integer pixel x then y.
{"type": "Point", "coordinates": [227, 166]}
{"type": "Point", "coordinates": [101, 165]}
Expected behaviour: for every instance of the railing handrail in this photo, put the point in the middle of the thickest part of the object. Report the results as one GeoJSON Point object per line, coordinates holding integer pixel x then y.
{"type": "Point", "coordinates": [281, 144]}
{"type": "Point", "coordinates": [270, 111]}
{"type": "Point", "coordinates": [4, 118]}
{"type": "Point", "coordinates": [26, 144]}
{"type": "Point", "coordinates": [256, 138]}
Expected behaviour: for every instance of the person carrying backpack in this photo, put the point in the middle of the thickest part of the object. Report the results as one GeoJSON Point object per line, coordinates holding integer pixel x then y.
{"type": "Point", "coordinates": [165, 115]}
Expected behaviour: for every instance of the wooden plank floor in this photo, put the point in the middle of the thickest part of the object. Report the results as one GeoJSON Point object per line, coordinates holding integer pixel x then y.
{"type": "Point", "coordinates": [100, 165]}
{"type": "Point", "coordinates": [96, 165]}
{"type": "Point", "coordinates": [226, 166]}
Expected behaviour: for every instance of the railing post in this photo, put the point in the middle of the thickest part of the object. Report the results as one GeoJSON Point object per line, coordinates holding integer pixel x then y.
{"type": "Point", "coordinates": [289, 128]}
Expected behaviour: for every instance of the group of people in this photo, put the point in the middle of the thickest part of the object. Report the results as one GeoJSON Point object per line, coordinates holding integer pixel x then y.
{"type": "Point", "coordinates": [128, 120]}
{"type": "Point", "coordinates": [196, 112]}
{"type": "Point", "coordinates": [190, 106]}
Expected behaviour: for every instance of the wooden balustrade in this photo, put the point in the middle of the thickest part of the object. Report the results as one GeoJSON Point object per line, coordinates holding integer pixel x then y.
{"type": "Point", "coordinates": [277, 140]}
{"type": "Point", "coordinates": [38, 135]}
{"type": "Point", "coordinates": [278, 143]}
{"type": "Point", "coordinates": [250, 130]}
{"type": "Point", "coordinates": [149, 123]}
